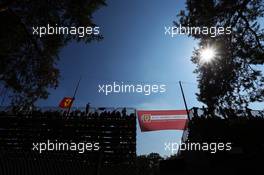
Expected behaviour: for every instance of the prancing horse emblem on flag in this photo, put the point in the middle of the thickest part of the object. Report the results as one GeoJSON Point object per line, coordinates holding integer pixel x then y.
{"type": "Point", "coordinates": [146, 118]}
{"type": "Point", "coordinates": [67, 102]}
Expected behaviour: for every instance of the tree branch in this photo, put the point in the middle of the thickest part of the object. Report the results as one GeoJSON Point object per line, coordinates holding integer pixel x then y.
{"type": "Point", "coordinates": [252, 31]}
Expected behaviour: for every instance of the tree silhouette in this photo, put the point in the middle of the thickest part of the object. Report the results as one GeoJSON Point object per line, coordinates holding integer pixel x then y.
{"type": "Point", "coordinates": [232, 79]}
{"type": "Point", "coordinates": [148, 164]}
{"type": "Point", "coordinates": [28, 62]}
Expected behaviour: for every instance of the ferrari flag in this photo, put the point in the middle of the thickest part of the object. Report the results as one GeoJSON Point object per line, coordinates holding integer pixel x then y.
{"type": "Point", "coordinates": [66, 102]}
{"type": "Point", "coordinates": [162, 120]}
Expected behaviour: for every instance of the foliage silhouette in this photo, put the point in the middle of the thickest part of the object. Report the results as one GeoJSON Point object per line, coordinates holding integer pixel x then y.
{"type": "Point", "coordinates": [28, 62]}
{"type": "Point", "coordinates": [232, 79]}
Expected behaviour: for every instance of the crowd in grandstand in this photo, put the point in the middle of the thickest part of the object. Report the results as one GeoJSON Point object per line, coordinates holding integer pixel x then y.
{"type": "Point", "coordinates": [75, 112]}
{"type": "Point", "coordinates": [88, 111]}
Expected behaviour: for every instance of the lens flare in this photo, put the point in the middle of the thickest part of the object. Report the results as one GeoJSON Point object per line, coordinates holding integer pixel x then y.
{"type": "Point", "coordinates": [207, 55]}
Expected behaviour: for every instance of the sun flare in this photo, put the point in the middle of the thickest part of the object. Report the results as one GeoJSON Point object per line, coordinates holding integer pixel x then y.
{"type": "Point", "coordinates": [207, 55]}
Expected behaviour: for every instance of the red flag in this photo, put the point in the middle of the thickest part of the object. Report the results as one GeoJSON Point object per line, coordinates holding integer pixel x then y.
{"type": "Point", "coordinates": [162, 120]}
{"type": "Point", "coordinates": [66, 102]}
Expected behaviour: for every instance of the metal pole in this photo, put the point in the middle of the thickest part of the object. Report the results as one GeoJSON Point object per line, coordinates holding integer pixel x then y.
{"type": "Point", "coordinates": [186, 108]}
{"type": "Point", "coordinates": [185, 104]}
{"type": "Point", "coordinates": [73, 97]}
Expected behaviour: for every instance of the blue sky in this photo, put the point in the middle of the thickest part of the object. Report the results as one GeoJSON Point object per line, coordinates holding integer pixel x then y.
{"type": "Point", "coordinates": [134, 50]}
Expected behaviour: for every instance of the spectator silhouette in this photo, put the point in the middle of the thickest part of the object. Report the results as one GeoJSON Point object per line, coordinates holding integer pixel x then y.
{"type": "Point", "coordinates": [195, 112]}
{"type": "Point", "coordinates": [124, 112]}
{"type": "Point", "coordinates": [87, 108]}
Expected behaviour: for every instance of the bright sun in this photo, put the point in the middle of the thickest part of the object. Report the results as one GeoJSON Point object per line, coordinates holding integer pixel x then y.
{"type": "Point", "coordinates": [207, 55]}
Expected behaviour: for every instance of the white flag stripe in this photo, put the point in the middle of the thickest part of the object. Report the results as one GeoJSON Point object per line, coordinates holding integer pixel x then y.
{"type": "Point", "coordinates": [168, 117]}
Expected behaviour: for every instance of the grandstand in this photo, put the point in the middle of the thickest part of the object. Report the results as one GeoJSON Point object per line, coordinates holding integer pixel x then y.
{"type": "Point", "coordinates": [113, 129]}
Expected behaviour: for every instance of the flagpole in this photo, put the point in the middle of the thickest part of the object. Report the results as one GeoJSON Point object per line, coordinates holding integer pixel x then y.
{"type": "Point", "coordinates": [73, 97]}
{"type": "Point", "coordinates": [184, 100]}
{"type": "Point", "coordinates": [186, 108]}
